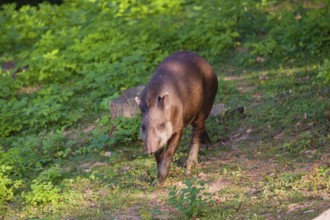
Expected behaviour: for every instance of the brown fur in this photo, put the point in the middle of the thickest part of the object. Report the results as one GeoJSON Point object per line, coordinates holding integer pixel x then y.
{"type": "Point", "coordinates": [180, 92]}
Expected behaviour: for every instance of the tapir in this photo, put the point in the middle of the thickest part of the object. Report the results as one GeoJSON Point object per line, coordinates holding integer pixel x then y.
{"type": "Point", "coordinates": [180, 92]}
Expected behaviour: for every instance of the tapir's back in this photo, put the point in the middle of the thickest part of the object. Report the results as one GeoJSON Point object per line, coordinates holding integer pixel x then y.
{"type": "Point", "coordinates": [190, 81]}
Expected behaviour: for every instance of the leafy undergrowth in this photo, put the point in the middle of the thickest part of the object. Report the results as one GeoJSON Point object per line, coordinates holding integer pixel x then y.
{"type": "Point", "coordinates": [62, 157]}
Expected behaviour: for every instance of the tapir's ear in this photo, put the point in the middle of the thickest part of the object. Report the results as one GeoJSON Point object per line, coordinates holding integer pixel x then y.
{"type": "Point", "coordinates": [137, 100]}
{"type": "Point", "coordinates": [164, 102]}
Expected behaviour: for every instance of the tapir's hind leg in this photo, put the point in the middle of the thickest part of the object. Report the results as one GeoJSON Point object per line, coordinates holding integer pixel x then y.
{"type": "Point", "coordinates": [199, 136]}
{"type": "Point", "coordinates": [198, 131]}
{"type": "Point", "coordinates": [205, 139]}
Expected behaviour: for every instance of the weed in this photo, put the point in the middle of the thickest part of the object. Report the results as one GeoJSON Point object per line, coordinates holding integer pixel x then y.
{"type": "Point", "coordinates": [192, 199]}
{"type": "Point", "coordinates": [287, 184]}
{"type": "Point", "coordinates": [8, 187]}
{"type": "Point", "coordinates": [324, 71]}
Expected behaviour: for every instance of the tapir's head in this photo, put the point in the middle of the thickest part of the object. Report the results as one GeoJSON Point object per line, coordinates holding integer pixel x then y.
{"type": "Point", "coordinates": [156, 128]}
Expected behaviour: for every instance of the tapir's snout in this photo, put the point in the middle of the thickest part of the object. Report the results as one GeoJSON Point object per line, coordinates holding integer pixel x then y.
{"type": "Point", "coordinates": [151, 146]}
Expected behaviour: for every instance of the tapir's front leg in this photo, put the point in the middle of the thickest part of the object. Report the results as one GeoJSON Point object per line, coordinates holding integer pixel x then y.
{"type": "Point", "coordinates": [164, 157]}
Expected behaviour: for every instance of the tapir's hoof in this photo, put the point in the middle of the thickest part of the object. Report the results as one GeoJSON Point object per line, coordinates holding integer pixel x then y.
{"type": "Point", "coordinates": [156, 183]}
{"type": "Point", "coordinates": [188, 172]}
{"type": "Point", "coordinates": [191, 164]}
{"type": "Point", "coordinates": [207, 146]}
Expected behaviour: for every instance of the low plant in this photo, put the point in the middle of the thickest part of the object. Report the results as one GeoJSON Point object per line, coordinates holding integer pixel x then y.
{"type": "Point", "coordinates": [44, 189]}
{"type": "Point", "coordinates": [324, 71]}
{"type": "Point", "coordinates": [192, 199]}
{"type": "Point", "coordinates": [309, 184]}
{"type": "Point", "coordinates": [118, 131]}
{"type": "Point", "coordinates": [42, 193]}
{"type": "Point", "coordinates": [8, 186]}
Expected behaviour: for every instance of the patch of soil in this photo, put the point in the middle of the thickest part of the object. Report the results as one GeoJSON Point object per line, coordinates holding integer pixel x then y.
{"type": "Point", "coordinates": [218, 185]}
{"type": "Point", "coordinates": [149, 211]}
{"type": "Point", "coordinates": [28, 90]}
{"type": "Point", "coordinates": [243, 85]}
{"type": "Point", "coordinates": [87, 167]}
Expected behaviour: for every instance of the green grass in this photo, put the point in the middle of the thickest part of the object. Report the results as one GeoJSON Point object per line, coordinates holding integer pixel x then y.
{"type": "Point", "coordinates": [62, 157]}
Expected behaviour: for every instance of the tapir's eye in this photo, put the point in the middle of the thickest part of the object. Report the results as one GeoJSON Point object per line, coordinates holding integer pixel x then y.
{"type": "Point", "coordinates": [162, 126]}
